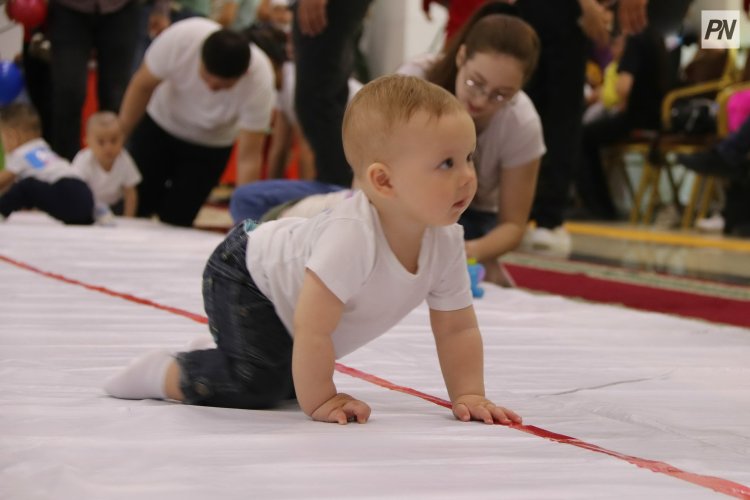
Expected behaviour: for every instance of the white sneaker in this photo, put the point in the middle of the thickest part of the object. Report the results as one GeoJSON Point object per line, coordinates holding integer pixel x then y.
{"type": "Point", "coordinates": [553, 242]}
{"type": "Point", "coordinates": [713, 224]}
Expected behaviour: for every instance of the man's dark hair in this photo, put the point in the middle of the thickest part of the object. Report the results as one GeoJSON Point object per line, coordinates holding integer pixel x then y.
{"type": "Point", "coordinates": [226, 54]}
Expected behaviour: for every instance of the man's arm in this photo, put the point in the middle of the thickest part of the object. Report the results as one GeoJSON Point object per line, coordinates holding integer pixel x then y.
{"type": "Point", "coordinates": [249, 156]}
{"type": "Point", "coordinates": [139, 92]}
{"type": "Point", "coordinates": [281, 142]}
{"type": "Point", "coordinates": [459, 347]}
{"type": "Point", "coordinates": [313, 358]}
{"type": "Point", "coordinates": [130, 201]}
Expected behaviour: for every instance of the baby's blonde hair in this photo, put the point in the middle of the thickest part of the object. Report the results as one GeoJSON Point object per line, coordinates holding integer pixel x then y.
{"type": "Point", "coordinates": [101, 119]}
{"type": "Point", "coordinates": [22, 118]}
{"type": "Point", "coordinates": [382, 104]}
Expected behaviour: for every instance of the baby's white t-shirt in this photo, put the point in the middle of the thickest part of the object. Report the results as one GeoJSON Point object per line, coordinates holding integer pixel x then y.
{"type": "Point", "coordinates": [36, 159]}
{"type": "Point", "coordinates": [107, 186]}
{"type": "Point", "coordinates": [346, 249]}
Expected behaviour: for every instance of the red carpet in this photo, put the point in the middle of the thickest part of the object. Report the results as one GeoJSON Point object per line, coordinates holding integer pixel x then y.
{"type": "Point", "coordinates": [648, 291]}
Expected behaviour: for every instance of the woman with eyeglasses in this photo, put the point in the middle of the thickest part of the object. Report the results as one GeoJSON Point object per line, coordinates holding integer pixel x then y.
{"type": "Point", "coordinates": [485, 65]}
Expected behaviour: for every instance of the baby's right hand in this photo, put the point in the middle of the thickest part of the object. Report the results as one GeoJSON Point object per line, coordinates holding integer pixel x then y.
{"type": "Point", "coordinates": [342, 408]}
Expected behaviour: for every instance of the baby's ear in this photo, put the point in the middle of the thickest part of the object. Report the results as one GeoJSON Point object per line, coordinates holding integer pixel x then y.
{"type": "Point", "coordinates": [378, 175]}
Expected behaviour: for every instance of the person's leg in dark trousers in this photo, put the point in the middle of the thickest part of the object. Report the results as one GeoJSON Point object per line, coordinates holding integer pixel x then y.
{"type": "Point", "coordinates": [152, 150]}
{"type": "Point", "coordinates": [38, 85]}
{"type": "Point", "coordinates": [324, 65]}
{"type": "Point", "coordinates": [729, 158]}
{"type": "Point", "coordinates": [68, 200]}
{"type": "Point", "coordinates": [115, 40]}
{"type": "Point", "coordinates": [252, 365]}
{"type": "Point", "coordinates": [735, 147]}
{"type": "Point", "coordinates": [557, 92]}
{"type": "Point", "coordinates": [177, 176]}
{"type": "Point", "coordinates": [196, 173]}
{"type": "Point", "coordinates": [590, 178]}
{"type": "Point", "coordinates": [71, 38]}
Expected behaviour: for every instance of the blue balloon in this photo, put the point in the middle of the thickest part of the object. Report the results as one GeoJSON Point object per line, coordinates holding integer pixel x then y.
{"type": "Point", "coordinates": [11, 82]}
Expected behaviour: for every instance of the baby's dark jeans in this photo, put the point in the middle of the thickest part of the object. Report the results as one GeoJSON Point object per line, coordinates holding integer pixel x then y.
{"type": "Point", "coordinates": [252, 366]}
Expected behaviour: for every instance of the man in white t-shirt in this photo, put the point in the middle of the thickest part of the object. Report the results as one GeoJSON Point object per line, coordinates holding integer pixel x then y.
{"type": "Point", "coordinates": [201, 88]}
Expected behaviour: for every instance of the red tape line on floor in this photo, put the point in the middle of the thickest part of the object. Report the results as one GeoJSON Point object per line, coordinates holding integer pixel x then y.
{"type": "Point", "coordinates": [714, 483]}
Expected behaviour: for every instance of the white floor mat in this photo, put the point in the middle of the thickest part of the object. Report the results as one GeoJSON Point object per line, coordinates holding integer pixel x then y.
{"type": "Point", "coordinates": [617, 403]}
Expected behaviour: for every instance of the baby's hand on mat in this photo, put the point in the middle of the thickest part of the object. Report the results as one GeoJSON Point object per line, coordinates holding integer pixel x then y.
{"type": "Point", "coordinates": [342, 408]}
{"type": "Point", "coordinates": [471, 407]}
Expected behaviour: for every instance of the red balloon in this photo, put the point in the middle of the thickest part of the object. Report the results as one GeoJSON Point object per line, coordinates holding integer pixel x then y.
{"type": "Point", "coordinates": [30, 13]}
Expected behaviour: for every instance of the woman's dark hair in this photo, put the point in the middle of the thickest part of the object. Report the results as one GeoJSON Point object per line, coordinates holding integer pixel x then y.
{"type": "Point", "coordinates": [226, 54]}
{"type": "Point", "coordinates": [494, 27]}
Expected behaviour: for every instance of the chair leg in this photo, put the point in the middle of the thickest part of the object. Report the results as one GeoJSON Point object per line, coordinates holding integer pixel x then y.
{"type": "Point", "coordinates": [675, 188]}
{"type": "Point", "coordinates": [654, 196]}
{"type": "Point", "coordinates": [643, 184]}
{"type": "Point", "coordinates": [708, 195]}
{"type": "Point", "coordinates": [687, 215]}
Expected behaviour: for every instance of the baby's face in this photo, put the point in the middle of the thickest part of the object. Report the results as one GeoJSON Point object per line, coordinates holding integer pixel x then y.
{"type": "Point", "coordinates": [432, 172]}
{"type": "Point", "coordinates": [106, 143]}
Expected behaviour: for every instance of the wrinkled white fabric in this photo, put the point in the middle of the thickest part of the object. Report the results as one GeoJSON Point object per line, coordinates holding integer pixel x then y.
{"type": "Point", "coordinates": [642, 384]}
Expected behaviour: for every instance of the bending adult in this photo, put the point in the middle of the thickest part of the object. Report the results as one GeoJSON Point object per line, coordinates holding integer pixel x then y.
{"type": "Point", "coordinates": [486, 64]}
{"type": "Point", "coordinates": [199, 89]}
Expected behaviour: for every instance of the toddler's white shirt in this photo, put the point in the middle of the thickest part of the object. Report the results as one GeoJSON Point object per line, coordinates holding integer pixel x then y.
{"type": "Point", "coordinates": [346, 248]}
{"type": "Point", "coordinates": [36, 159]}
{"type": "Point", "coordinates": [107, 186]}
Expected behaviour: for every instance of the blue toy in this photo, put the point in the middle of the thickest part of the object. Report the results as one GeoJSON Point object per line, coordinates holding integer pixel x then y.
{"type": "Point", "coordinates": [11, 82]}
{"type": "Point", "coordinates": [476, 273]}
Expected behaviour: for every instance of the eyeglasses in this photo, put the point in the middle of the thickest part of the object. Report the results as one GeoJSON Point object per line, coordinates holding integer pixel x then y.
{"type": "Point", "coordinates": [478, 90]}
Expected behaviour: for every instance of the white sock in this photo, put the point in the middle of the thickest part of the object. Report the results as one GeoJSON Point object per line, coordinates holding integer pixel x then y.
{"type": "Point", "coordinates": [143, 379]}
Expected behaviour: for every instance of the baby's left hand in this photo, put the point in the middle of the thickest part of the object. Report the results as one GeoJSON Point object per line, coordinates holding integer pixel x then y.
{"type": "Point", "coordinates": [471, 407]}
